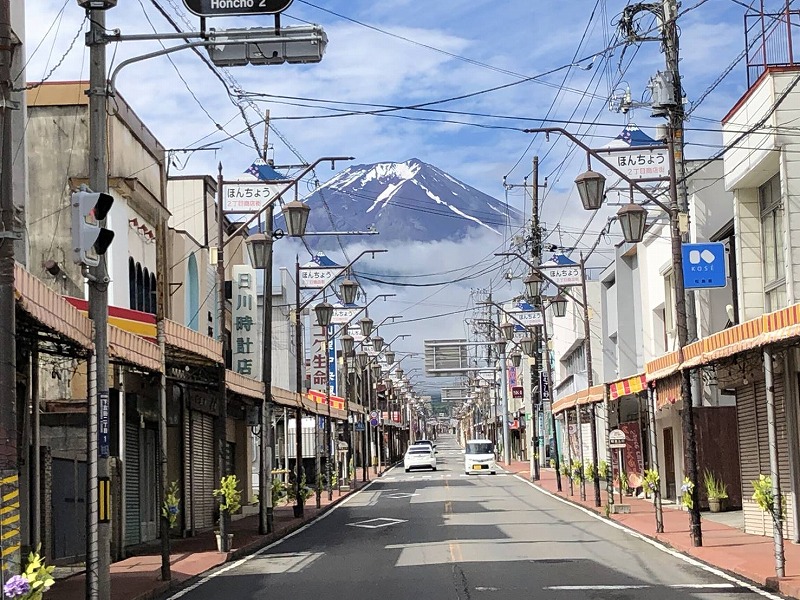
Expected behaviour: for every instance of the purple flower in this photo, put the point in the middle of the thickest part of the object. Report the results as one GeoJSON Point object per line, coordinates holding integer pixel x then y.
{"type": "Point", "coordinates": [16, 587]}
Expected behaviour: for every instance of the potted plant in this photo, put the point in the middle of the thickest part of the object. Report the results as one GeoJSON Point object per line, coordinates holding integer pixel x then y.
{"type": "Point", "coordinates": [651, 482]}
{"type": "Point", "coordinates": [171, 507]}
{"type": "Point", "coordinates": [765, 499]}
{"type": "Point", "coordinates": [230, 501]}
{"type": "Point", "coordinates": [576, 471]}
{"type": "Point", "coordinates": [588, 471]}
{"type": "Point", "coordinates": [602, 469]}
{"type": "Point", "coordinates": [716, 491]}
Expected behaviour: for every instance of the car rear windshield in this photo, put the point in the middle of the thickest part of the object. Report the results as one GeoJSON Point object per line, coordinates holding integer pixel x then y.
{"type": "Point", "coordinates": [421, 450]}
{"type": "Point", "coordinates": [479, 447]}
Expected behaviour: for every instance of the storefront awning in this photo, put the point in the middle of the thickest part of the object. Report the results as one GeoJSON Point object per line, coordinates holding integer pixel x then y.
{"type": "Point", "coordinates": [668, 390]}
{"type": "Point", "coordinates": [627, 386]}
{"type": "Point", "coordinates": [50, 309]}
{"type": "Point", "coordinates": [663, 366]}
{"type": "Point", "coordinates": [134, 350]}
{"type": "Point", "coordinates": [243, 385]}
{"type": "Point", "coordinates": [190, 344]}
{"type": "Point", "coordinates": [590, 395]}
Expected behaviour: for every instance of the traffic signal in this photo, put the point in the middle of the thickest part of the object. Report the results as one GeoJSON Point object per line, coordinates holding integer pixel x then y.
{"type": "Point", "coordinates": [89, 239]}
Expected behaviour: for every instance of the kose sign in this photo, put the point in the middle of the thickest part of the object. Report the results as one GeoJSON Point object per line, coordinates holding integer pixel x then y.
{"type": "Point", "coordinates": [225, 8]}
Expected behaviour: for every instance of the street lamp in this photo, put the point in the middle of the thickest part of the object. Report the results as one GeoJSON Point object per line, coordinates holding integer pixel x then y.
{"type": "Point", "coordinates": [507, 329]}
{"type": "Point", "coordinates": [259, 247]}
{"type": "Point", "coordinates": [296, 215]}
{"type": "Point", "coordinates": [347, 345]}
{"type": "Point", "coordinates": [376, 371]}
{"type": "Point", "coordinates": [362, 358]}
{"type": "Point", "coordinates": [366, 327]}
{"type": "Point", "coordinates": [390, 356]}
{"type": "Point", "coordinates": [516, 359]}
{"type": "Point", "coordinates": [324, 312]}
{"type": "Point", "coordinates": [633, 220]}
{"type": "Point", "coordinates": [591, 188]}
{"type": "Point", "coordinates": [377, 343]}
{"type": "Point", "coordinates": [528, 346]}
{"type": "Point", "coordinates": [348, 289]}
{"type": "Point", "coordinates": [559, 304]}
{"type": "Point", "coordinates": [399, 372]}
{"type": "Point", "coordinates": [533, 285]}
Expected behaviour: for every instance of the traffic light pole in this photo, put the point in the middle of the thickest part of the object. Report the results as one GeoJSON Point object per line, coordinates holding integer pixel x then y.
{"type": "Point", "coordinates": [98, 539]}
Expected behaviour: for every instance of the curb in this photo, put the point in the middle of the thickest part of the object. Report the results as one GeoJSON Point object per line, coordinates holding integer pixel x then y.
{"type": "Point", "coordinates": [770, 584]}
{"type": "Point", "coordinates": [164, 588]}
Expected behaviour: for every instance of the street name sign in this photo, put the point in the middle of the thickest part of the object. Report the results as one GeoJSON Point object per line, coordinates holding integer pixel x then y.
{"type": "Point", "coordinates": [704, 266]}
{"type": "Point", "coordinates": [248, 197]}
{"type": "Point", "coordinates": [228, 8]}
{"type": "Point", "coordinates": [563, 275]}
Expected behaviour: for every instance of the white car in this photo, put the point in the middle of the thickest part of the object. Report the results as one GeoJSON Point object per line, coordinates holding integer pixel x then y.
{"type": "Point", "coordinates": [419, 457]}
{"type": "Point", "coordinates": [479, 457]}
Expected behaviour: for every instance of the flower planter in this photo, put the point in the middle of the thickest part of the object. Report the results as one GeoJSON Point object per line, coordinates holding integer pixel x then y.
{"type": "Point", "coordinates": [224, 542]}
{"type": "Point", "coordinates": [716, 505]}
{"type": "Point", "coordinates": [298, 510]}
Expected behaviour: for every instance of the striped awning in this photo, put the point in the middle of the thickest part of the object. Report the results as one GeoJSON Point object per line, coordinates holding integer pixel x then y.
{"type": "Point", "coordinates": [630, 385]}
{"type": "Point", "coordinates": [668, 390]}
{"type": "Point", "coordinates": [590, 395]}
{"type": "Point", "coordinates": [663, 366]}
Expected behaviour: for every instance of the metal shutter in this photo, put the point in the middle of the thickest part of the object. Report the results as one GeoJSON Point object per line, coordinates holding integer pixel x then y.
{"type": "Point", "coordinates": [132, 524]}
{"type": "Point", "coordinates": [201, 461]}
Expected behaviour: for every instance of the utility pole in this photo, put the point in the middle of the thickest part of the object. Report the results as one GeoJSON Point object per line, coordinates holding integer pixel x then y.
{"type": "Point", "coordinates": [98, 568]}
{"type": "Point", "coordinates": [266, 439]}
{"type": "Point", "coordinates": [9, 452]}
{"type": "Point", "coordinates": [537, 402]}
{"type": "Point", "coordinates": [685, 320]}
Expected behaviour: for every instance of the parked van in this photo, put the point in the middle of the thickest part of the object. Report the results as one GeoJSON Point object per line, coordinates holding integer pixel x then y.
{"type": "Point", "coordinates": [479, 457]}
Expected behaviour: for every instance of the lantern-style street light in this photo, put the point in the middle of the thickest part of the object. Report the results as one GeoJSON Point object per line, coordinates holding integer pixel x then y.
{"type": "Point", "coordinates": [516, 359]}
{"type": "Point", "coordinates": [296, 215]}
{"type": "Point", "coordinates": [347, 344]}
{"type": "Point", "coordinates": [528, 346]}
{"type": "Point", "coordinates": [507, 329]}
{"type": "Point", "coordinates": [533, 285]}
{"type": "Point", "coordinates": [633, 221]}
{"type": "Point", "coordinates": [390, 356]}
{"type": "Point", "coordinates": [559, 304]}
{"type": "Point", "coordinates": [362, 358]}
{"type": "Point", "coordinates": [377, 343]}
{"type": "Point", "coordinates": [591, 188]}
{"type": "Point", "coordinates": [348, 289]}
{"type": "Point", "coordinates": [324, 311]}
{"type": "Point", "coordinates": [366, 326]}
{"type": "Point", "coordinates": [259, 247]}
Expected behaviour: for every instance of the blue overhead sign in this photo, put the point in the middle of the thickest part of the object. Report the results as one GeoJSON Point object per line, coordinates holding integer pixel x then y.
{"type": "Point", "coordinates": [704, 266]}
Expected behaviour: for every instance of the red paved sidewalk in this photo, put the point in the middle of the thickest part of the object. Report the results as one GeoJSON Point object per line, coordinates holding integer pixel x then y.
{"type": "Point", "coordinates": [139, 577]}
{"type": "Point", "coordinates": [726, 548]}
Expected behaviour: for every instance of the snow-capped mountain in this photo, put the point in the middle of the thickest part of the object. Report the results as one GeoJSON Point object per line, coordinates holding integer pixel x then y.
{"type": "Point", "coordinates": [411, 201]}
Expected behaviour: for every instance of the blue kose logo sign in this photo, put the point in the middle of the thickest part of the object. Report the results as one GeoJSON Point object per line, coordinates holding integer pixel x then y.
{"type": "Point", "coordinates": [704, 266]}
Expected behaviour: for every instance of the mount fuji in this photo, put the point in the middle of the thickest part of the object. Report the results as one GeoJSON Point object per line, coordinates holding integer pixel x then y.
{"type": "Point", "coordinates": [408, 201]}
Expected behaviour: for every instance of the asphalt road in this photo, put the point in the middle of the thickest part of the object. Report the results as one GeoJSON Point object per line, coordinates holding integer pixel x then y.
{"type": "Point", "coordinates": [445, 535]}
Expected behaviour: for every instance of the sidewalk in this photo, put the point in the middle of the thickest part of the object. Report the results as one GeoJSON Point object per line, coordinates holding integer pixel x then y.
{"type": "Point", "coordinates": [726, 548]}
{"type": "Point", "coordinates": [139, 577]}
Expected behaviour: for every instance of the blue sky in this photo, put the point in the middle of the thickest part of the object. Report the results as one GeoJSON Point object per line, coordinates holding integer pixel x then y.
{"type": "Point", "coordinates": [399, 53]}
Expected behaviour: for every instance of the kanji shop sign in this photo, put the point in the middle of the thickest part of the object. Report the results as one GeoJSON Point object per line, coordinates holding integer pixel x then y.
{"type": "Point", "coordinates": [245, 349]}
{"type": "Point", "coordinates": [640, 164]}
{"type": "Point", "coordinates": [319, 360]}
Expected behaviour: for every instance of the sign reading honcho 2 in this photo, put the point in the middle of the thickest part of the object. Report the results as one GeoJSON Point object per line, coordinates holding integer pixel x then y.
{"type": "Point", "coordinates": [227, 8]}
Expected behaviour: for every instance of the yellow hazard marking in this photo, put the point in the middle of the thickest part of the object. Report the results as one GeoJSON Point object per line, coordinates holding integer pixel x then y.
{"type": "Point", "coordinates": [10, 495]}
{"type": "Point", "coordinates": [9, 550]}
{"type": "Point", "coordinates": [9, 534]}
{"type": "Point", "coordinates": [104, 500]}
{"type": "Point", "coordinates": [9, 520]}
{"type": "Point", "coordinates": [10, 508]}
{"type": "Point", "coordinates": [9, 479]}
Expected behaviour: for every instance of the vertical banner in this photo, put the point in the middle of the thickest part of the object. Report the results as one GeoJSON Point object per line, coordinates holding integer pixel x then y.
{"type": "Point", "coordinates": [102, 429]}
{"type": "Point", "coordinates": [332, 361]}
{"type": "Point", "coordinates": [245, 350]}
{"type": "Point", "coordinates": [319, 360]}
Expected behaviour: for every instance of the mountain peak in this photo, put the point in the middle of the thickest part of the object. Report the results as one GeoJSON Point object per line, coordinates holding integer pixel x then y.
{"type": "Point", "coordinates": [409, 201]}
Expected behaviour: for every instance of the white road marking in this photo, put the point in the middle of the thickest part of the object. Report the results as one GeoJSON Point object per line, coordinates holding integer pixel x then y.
{"type": "Point", "coordinates": [486, 589]}
{"type": "Point", "coordinates": [674, 553]}
{"type": "Point", "coordinates": [676, 586]}
{"type": "Point", "coordinates": [400, 495]}
{"type": "Point", "coordinates": [377, 523]}
{"type": "Point", "coordinates": [257, 553]}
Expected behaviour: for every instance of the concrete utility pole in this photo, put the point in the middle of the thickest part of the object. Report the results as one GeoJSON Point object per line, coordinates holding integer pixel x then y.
{"type": "Point", "coordinates": [9, 452]}
{"type": "Point", "coordinates": [536, 257]}
{"type": "Point", "coordinates": [685, 320]}
{"type": "Point", "coordinates": [266, 439]}
{"type": "Point", "coordinates": [98, 539]}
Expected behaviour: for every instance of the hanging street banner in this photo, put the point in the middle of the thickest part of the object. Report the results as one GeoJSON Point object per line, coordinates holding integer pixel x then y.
{"type": "Point", "coordinates": [245, 349]}
{"type": "Point", "coordinates": [524, 316]}
{"type": "Point", "coordinates": [229, 8]}
{"type": "Point", "coordinates": [319, 272]}
{"type": "Point", "coordinates": [247, 196]}
{"type": "Point", "coordinates": [345, 314]}
{"type": "Point", "coordinates": [562, 270]}
{"type": "Point", "coordinates": [631, 152]}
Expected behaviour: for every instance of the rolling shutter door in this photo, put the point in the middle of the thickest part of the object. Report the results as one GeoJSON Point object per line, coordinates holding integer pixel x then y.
{"type": "Point", "coordinates": [747, 416]}
{"type": "Point", "coordinates": [202, 465]}
{"type": "Point", "coordinates": [132, 521]}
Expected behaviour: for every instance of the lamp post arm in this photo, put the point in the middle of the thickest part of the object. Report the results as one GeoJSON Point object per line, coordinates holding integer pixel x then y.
{"type": "Point", "coordinates": [306, 304]}
{"type": "Point", "coordinates": [280, 194]}
{"type": "Point", "coordinates": [607, 164]}
{"type": "Point", "coordinates": [544, 275]}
